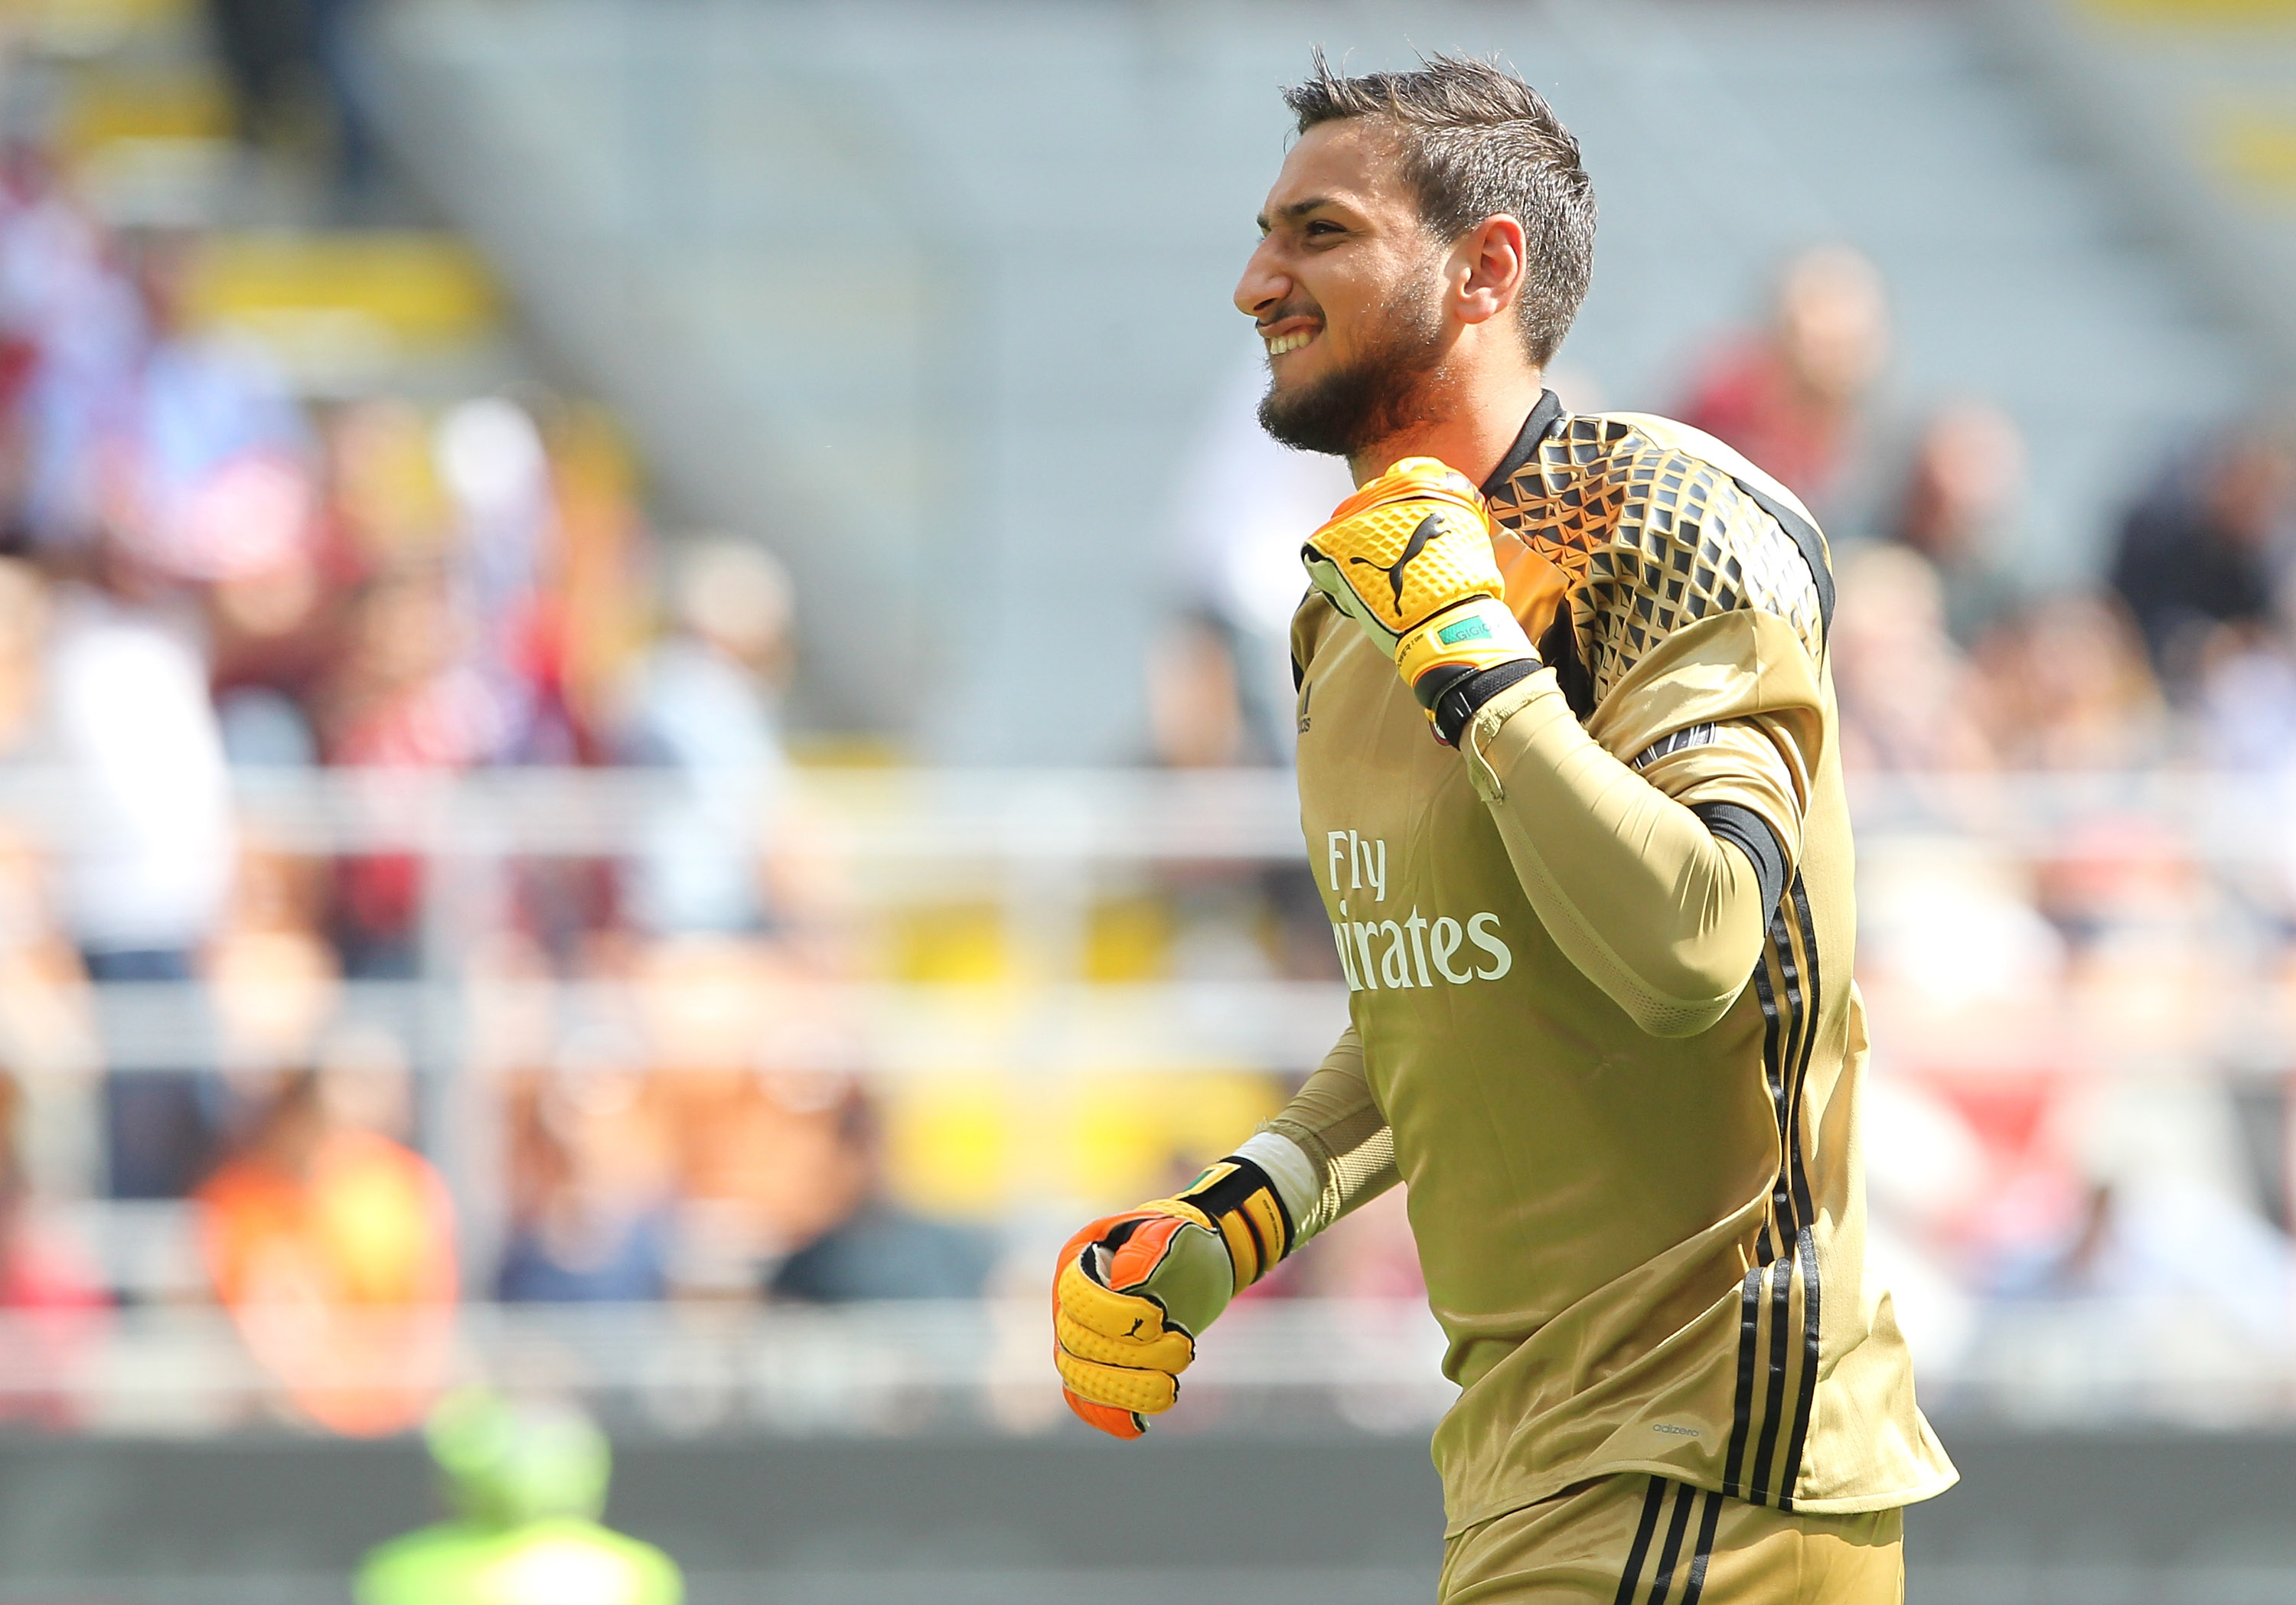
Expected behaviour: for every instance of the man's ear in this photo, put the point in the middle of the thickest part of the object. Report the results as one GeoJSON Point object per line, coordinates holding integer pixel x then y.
{"type": "Point", "coordinates": [1488, 268]}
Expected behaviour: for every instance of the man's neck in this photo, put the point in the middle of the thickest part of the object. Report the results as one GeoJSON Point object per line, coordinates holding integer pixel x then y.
{"type": "Point", "coordinates": [1472, 431]}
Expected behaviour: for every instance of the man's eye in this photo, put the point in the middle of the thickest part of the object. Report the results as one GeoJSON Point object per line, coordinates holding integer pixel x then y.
{"type": "Point", "coordinates": [1322, 228]}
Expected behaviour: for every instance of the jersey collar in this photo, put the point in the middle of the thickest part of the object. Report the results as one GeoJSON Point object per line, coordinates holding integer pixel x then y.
{"type": "Point", "coordinates": [1542, 422]}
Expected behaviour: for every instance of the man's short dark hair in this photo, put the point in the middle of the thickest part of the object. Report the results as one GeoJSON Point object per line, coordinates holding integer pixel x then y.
{"type": "Point", "coordinates": [1478, 142]}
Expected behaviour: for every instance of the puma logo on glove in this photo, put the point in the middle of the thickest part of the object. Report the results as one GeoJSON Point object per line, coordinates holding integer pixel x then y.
{"type": "Point", "coordinates": [1429, 528]}
{"type": "Point", "coordinates": [1444, 619]}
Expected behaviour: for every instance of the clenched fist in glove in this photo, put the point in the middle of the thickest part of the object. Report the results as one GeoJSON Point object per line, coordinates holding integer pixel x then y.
{"type": "Point", "coordinates": [1133, 1291]}
{"type": "Point", "coordinates": [1408, 557]}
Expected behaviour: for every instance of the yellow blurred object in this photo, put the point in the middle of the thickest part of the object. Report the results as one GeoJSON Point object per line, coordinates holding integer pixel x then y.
{"type": "Point", "coordinates": [397, 288]}
{"type": "Point", "coordinates": [109, 108]}
{"type": "Point", "coordinates": [2193, 12]}
{"type": "Point", "coordinates": [335, 1252]}
{"type": "Point", "coordinates": [846, 749]}
{"type": "Point", "coordinates": [2257, 149]}
{"type": "Point", "coordinates": [388, 480]}
{"type": "Point", "coordinates": [949, 1143]}
{"type": "Point", "coordinates": [977, 1144]}
{"type": "Point", "coordinates": [85, 27]}
{"type": "Point", "coordinates": [1127, 939]}
{"type": "Point", "coordinates": [951, 942]}
{"type": "Point", "coordinates": [602, 555]}
{"type": "Point", "coordinates": [1146, 1132]}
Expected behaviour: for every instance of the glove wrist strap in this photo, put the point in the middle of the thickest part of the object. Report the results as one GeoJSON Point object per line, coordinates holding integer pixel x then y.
{"type": "Point", "coordinates": [1461, 695]}
{"type": "Point", "coordinates": [1248, 1211]}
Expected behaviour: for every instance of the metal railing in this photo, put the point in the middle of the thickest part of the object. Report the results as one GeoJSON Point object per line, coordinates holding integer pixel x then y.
{"type": "Point", "coordinates": [686, 1369]}
{"type": "Point", "coordinates": [1043, 849]}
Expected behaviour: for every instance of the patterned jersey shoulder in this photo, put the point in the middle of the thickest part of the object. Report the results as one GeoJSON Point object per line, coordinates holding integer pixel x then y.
{"type": "Point", "coordinates": [1654, 525]}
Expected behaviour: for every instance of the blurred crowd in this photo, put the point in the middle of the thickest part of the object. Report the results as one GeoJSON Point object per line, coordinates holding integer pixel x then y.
{"type": "Point", "coordinates": [2075, 940]}
{"type": "Point", "coordinates": [203, 576]}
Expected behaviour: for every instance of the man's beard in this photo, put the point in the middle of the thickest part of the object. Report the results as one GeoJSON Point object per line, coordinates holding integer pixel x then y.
{"type": "Point", "coordinates": [1387, 388]}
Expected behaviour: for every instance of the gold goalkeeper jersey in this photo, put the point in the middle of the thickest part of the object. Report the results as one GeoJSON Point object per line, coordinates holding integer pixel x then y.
{"type": "Point", "coordinates": [1647, 1251]}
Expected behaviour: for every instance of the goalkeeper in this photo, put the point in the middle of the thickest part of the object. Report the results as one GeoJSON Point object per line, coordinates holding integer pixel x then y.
{"type": "Point", "coordinates": [1571, 782]}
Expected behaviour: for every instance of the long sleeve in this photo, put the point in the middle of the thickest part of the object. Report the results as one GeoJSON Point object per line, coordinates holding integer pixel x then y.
{"type": "Point", "coordinates": [1654, 840]}
{"type": "Point", "coordinates": [1345, 1151]}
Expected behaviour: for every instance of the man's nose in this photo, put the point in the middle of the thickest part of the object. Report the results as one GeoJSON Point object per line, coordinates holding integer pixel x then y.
{"type": "Point", "coordinates": [1264, 283]}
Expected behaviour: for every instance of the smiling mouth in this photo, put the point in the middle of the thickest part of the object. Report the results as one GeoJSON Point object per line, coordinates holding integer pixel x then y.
{"type": "Point", "coordinates": [1292, 341]}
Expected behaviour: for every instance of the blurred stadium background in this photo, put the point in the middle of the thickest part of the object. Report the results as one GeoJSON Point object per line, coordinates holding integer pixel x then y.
{"type": "Point", "coordinates": [641, 704]}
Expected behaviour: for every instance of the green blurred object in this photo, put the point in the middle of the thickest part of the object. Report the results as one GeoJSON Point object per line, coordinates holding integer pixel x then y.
{"type": "Point", "coordinates": [529, 1483]}
{"type": "Point", "coordinates": [503, 1463]}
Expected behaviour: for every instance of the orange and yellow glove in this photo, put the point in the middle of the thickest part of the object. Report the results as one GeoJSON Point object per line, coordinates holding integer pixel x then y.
{"type": "Point", "coordinates": [1133, 1291]}
{"type": "Point", "coordinates": [1408, 557]}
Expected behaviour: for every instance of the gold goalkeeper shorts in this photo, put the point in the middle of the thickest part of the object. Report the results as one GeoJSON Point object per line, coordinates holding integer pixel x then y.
{"type": "Point", "coordinates": [1647, 1541]}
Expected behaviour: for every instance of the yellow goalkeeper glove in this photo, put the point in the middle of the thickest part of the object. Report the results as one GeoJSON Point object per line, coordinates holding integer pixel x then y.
{"type": "Point", "coordinates": [1133, 1291]}
{"type": "Point", "coordinates": [1408, 557]}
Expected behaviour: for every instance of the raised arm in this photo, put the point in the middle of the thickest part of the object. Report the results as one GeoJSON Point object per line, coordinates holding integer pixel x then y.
{"type": "Point", "coordinates": [1656, 871]}
{"type": "Point", "coordinates": [1654, 841]}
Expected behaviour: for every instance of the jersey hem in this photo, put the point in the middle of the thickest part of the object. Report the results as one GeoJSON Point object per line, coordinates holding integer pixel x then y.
{"type": "Point", "coordinates": [1547, 1487]}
